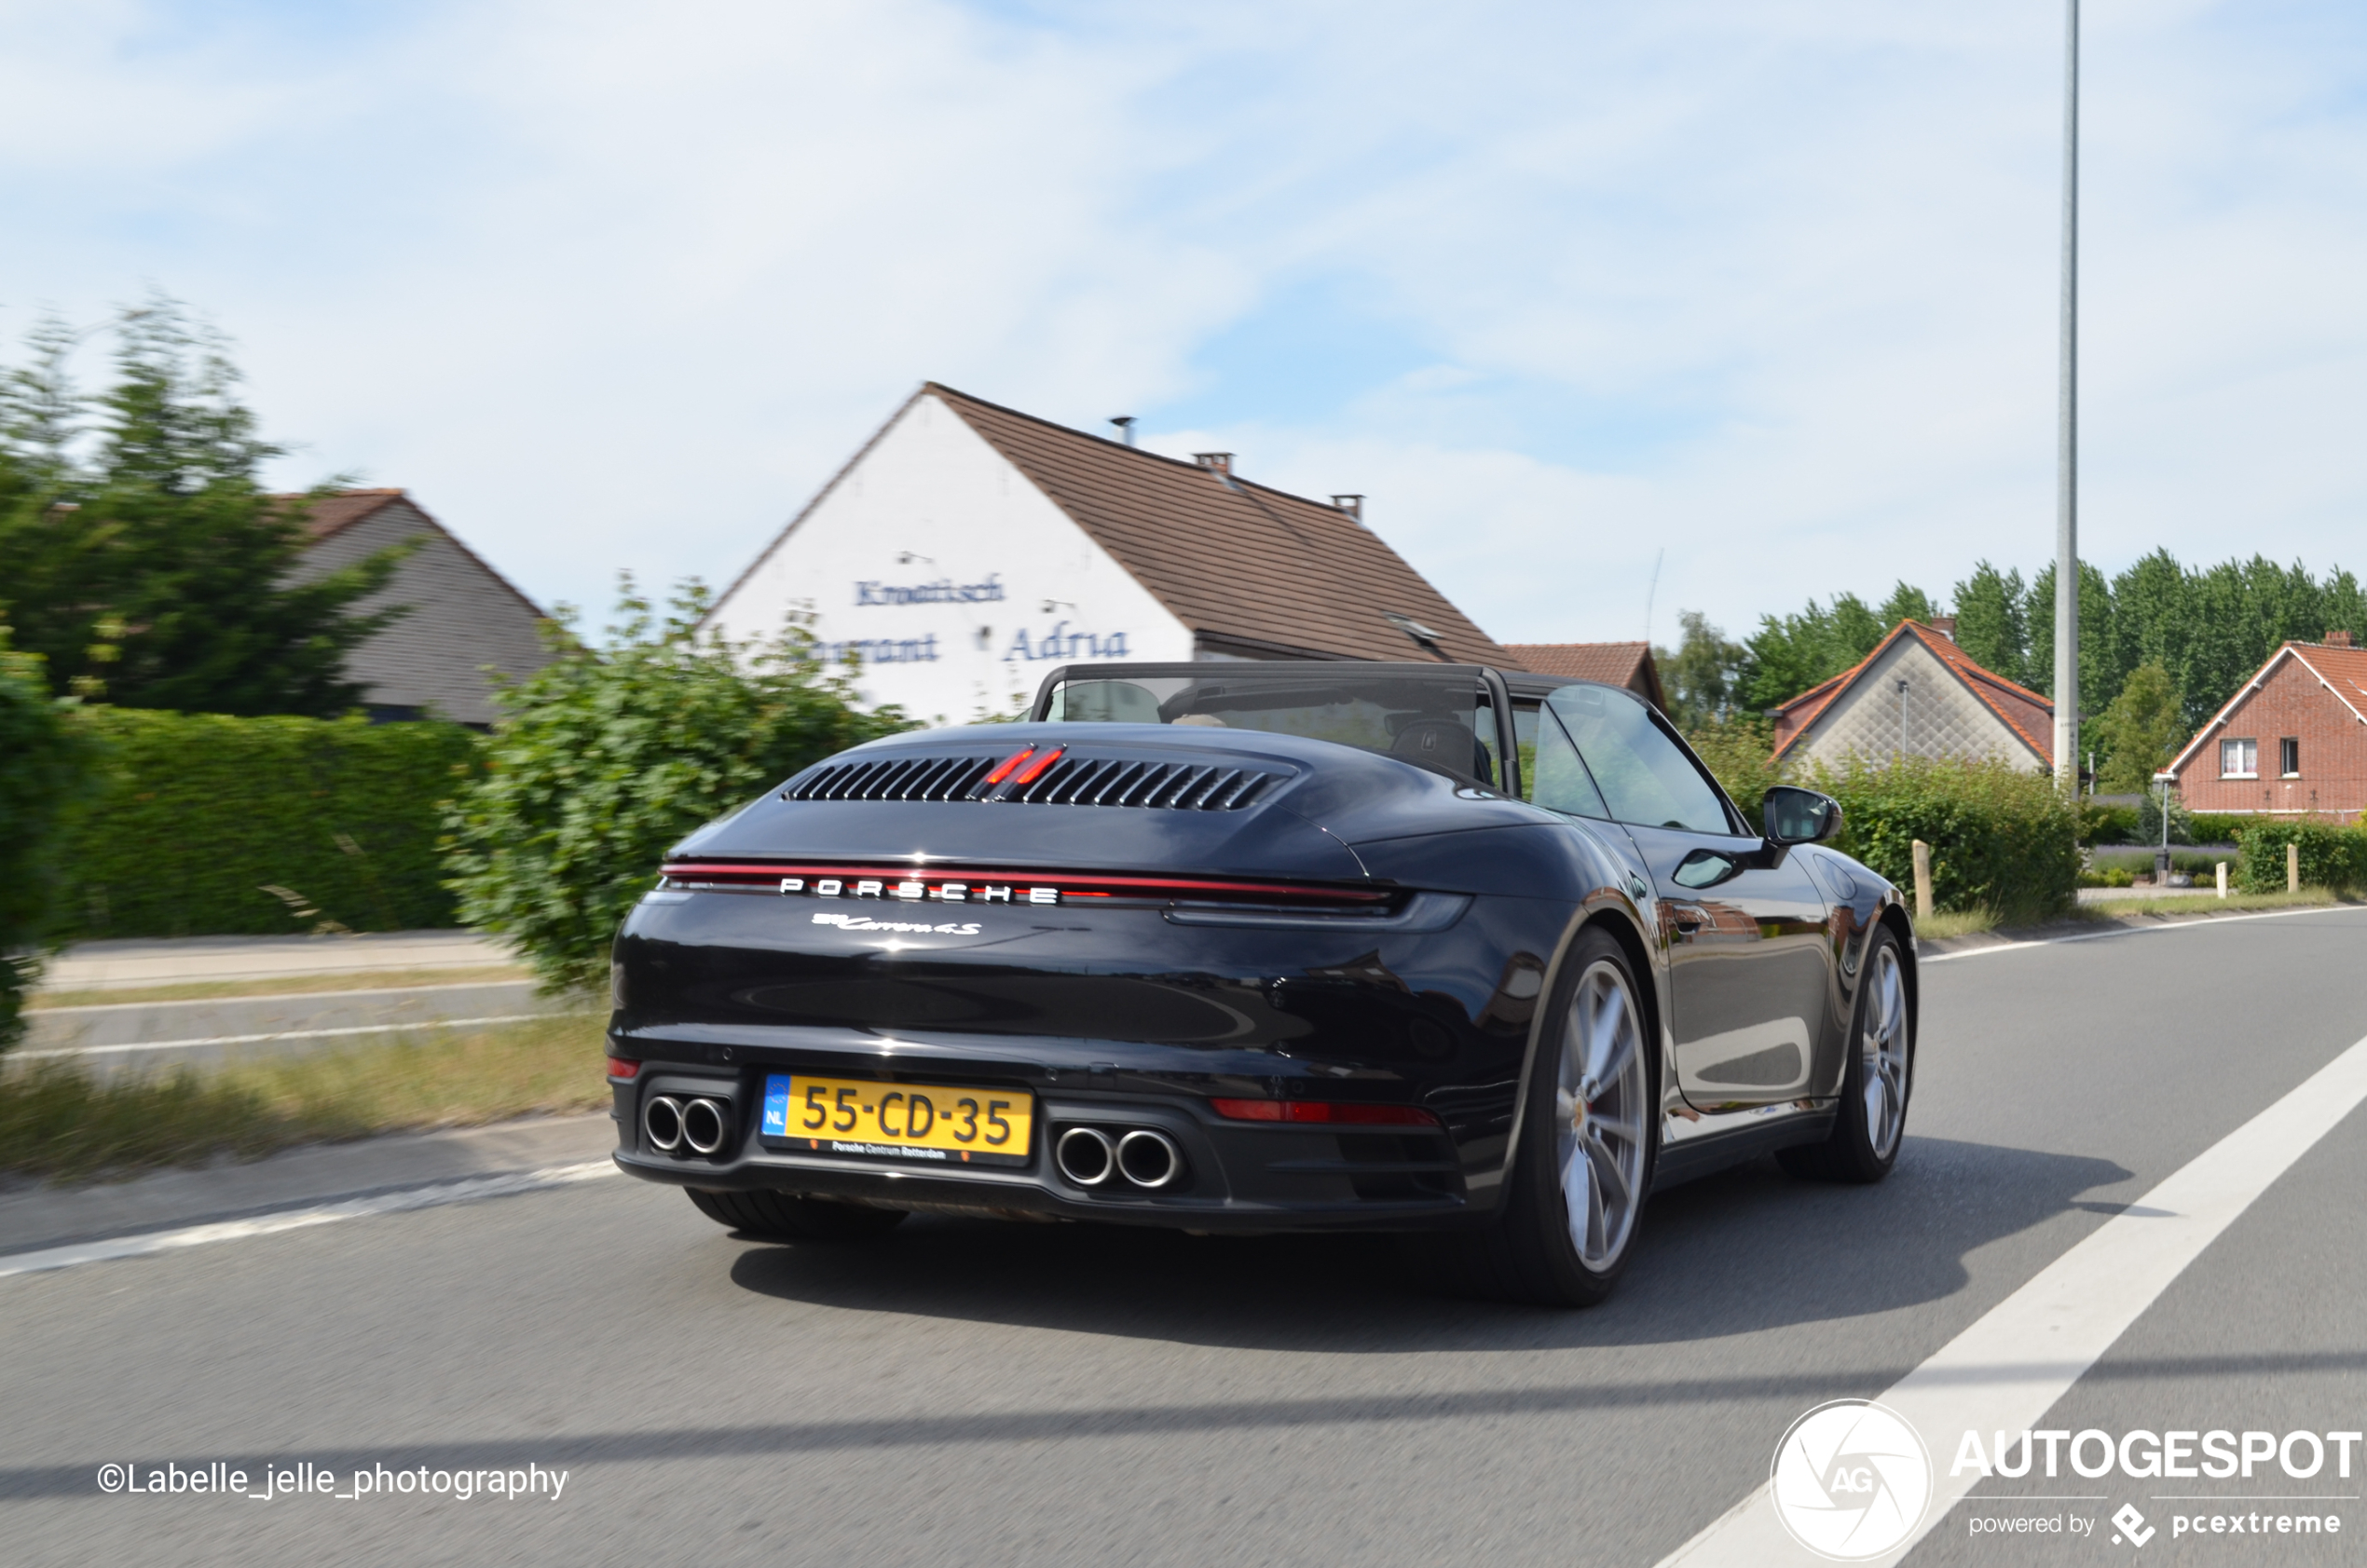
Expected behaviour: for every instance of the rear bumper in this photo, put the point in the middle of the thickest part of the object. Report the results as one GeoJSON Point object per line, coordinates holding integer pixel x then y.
{"type": "Point", "coordinates": [1238, 1175]}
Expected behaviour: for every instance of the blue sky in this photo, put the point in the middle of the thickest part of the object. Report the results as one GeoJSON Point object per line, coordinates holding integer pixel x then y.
{"type": "Point", "coordinates": [1767, 286]}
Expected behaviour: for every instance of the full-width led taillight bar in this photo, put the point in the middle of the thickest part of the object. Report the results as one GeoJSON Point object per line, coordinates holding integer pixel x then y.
{"type": "Point", "coordinates": [949, 886]}
{"type": "Point", "coordinates": [1338, 1113]}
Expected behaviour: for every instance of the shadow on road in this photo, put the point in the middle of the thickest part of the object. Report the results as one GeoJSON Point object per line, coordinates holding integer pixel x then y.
{"type": "Point", "coordinates": [1751, 1248]}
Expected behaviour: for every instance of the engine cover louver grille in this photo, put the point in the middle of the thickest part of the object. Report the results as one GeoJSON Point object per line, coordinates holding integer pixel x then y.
{"type": "Point", "coordinates": [1071, 781]}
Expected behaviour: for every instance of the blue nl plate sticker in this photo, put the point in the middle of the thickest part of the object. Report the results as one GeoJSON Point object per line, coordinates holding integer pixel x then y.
{"type": "Point", "coordinates": [777, 1105]}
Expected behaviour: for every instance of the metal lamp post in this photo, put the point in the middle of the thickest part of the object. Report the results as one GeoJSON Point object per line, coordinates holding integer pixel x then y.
{"type": "Point", "coordinates": [2066, 435]}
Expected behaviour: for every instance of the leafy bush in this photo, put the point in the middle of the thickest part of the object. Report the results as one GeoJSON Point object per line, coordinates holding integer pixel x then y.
{"type": "Point", "coordinates": [1740, 752]}
{"type": "Point", "coordinates": [2002, 840]}
{"type": "Point", "coordinates": [2331, 856]}
{"type": "Point", "coordinates": [2219, 827]}
{"type": "Point", "coordinates": [41, 770]}
{"type": "Point", "coordinates": [207, 824]}
{"type": "Point", "coordinates": [600, 764]}
{"type": "Point", "coordinates": [2107, 824]}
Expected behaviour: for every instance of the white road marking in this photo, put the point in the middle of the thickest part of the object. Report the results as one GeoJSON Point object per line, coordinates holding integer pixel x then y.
{"type": "Point", "coordinates": [153, 1242]}
{"type": "Point", "coordinates": [2006, 1371]}
{"type": "Point", "coordinates": [2203, 924]}
{"type": "Point", "coordinates": [286, 1034]}
{"type": "Point", "coordinates": [80, 1008]}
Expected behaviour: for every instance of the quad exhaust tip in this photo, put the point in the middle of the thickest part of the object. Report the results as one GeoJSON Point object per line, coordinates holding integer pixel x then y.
{"type": "Point", "coordinates": [1085, 1156]}
{"type": "Point", "coordinates": [1149, 1159]}
{"type": "Point", "coordinates": [701, 1125]}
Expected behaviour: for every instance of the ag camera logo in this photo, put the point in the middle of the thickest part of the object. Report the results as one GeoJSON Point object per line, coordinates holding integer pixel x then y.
{"type": "Point", "coordinates": [1851, 1480]}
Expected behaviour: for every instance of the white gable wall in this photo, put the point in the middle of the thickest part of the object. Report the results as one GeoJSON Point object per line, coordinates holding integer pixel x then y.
{"type": "Point", "coordinates": [959, 583]}
{"type": "Point", "coordinates": [1943, 716]}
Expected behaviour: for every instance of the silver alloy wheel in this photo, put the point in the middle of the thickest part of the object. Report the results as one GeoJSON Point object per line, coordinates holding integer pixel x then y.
{"type": "Point", "coordinates": [1881, 1051]}
{"type": "Point", "coordinates": [1600, 1120]}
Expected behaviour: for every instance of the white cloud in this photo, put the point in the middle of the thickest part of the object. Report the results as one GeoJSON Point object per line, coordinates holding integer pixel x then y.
{"type": "Point", "coordinates": [1769, 286]}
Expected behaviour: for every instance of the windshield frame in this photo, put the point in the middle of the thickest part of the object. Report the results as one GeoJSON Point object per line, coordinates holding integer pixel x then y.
{"type": "Point", "coordinates": [1500, 698]}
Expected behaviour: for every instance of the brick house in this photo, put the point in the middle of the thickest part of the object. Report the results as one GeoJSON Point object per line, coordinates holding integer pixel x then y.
{"type": "Point", "coordinates": [1921, 694]}
{"type": "Point", "coordinates": [2292, 742]}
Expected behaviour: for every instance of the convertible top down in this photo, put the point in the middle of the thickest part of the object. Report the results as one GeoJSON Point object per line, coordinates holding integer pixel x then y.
{"type": "Point", "coordinates": [1265, 946]}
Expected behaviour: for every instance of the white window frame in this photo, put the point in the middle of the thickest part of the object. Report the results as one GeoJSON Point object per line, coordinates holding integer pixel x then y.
{"type": "Point", "coordinates": [2294, 771]}
{"type": "Point", "coordinates": [2250, 752]}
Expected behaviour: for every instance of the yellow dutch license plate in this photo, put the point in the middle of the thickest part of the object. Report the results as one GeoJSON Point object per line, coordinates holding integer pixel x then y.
{"type": "Point", "coordinates": [935, 1123]}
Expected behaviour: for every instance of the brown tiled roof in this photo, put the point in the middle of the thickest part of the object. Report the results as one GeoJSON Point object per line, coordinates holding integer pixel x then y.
{"type": "Point", "coordinates": [1627, 664]}
{"type": "Point", "coordinates": [1229, 558]}
{"type": "Point", "coordinates": [334, 513]}
{"type": "Point", "coordinates": [2342, 671]}
{"type": "Point", "coordinates": [2023, 711]}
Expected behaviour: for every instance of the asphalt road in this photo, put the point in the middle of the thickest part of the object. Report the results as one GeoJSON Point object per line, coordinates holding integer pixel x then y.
{"type": "Point", "coordinates": [975, 1393]}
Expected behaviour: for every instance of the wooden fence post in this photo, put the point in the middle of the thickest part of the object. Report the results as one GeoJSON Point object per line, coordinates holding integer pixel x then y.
{"type": "Point", "coordinates": [2293, 865]}
{"type": "Point", "coordinates": [2222, 869]}
{"type": "Point", "coordinates": [1923, 881]}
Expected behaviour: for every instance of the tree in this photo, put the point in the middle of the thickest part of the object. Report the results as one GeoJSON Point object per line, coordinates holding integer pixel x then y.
{"type": "Point", "coordinates": [1904, 603]}
{"type": "Point", "coordinates": [1989, 623]}
{"type": "Point", "coordinates": [1787, 656]}
{"type": "Point", "coordinates": [602, 761]}
{"type": "Point", "coordinates": [1705, 676]}
{"type": "Point", "coordinates": [145, 563]}
{"type": "Point", "coordinates": [2142, 730]}
{"type": "Point", "coordinates": [2100, 667]}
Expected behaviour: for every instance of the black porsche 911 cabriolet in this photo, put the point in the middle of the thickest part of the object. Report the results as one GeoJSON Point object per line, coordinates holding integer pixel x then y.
{"type": "Point", "coordinates": [1235, 946]}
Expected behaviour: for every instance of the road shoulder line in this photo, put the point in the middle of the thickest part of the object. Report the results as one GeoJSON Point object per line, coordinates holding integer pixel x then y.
{"type": "Point", "coordinates": [470, 1189]}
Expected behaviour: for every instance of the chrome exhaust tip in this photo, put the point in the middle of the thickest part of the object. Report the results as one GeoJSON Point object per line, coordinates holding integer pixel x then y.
{"type": "Point", "coordinates": [1085, 1156]}
{"type": "Point", "coordinates": [662, 1122]}
{"type": "Point", "coordinates": [705, 1123]}
{"type": "Point", "coordinates": [1149, 1159]}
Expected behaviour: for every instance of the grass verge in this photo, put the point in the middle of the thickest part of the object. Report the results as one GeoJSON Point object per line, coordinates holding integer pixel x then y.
{"type": "Point", "coordinates": [278, 985]}
{"type": "Point", "coordinates": [1944, 923]}
{"type": "Point", "coordinates": [2204, 904]}
{"type": "Point", "coordinates": [58, 1120]}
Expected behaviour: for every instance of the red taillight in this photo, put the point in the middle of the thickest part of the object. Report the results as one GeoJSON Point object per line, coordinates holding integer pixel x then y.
{"type": "Point", "coordinates": [1335, 1112]}
{"type": "Point", "coordinates": [1003, 769]}
{"type": "Point", "coordinates": [1034, 769]}
{"type": "Point", "coordinates": [620, 1068]}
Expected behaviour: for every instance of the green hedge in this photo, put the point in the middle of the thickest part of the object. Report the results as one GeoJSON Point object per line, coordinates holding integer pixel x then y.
{"type": "Point", "coordinates": [41, 776]}
{"type": "Point", "coordinates": [2220, 828]}
{"type": "Point", "coordinates": [2002, 840]}
{"type": "Point", "coordinates": [196, 815]}
{"type": "Point", "coordinates": [2331, 856]}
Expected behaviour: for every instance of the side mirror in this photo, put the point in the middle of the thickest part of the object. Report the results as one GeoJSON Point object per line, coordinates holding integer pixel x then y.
{"type": "Point", "coordinates": [1799, 816]}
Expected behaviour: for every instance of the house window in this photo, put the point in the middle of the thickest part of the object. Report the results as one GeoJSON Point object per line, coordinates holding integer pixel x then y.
{"type": "Point", "coordinates": [2239, 759]}
{"type": "Point", "coordinates": [2289, 757]}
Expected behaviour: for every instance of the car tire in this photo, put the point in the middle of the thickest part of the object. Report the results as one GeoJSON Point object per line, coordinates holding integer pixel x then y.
{"type": "Point", "coordinates": [793, 1217]}
{"type": "Point", "coordinates": [1587, 1143]}
{"type": "Point", "coordinates": [1869, 1125]}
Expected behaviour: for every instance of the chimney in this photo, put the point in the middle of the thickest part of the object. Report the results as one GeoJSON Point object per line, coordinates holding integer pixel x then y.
{"type": "Point", "coordinates": [1215, 462]}
{"type": "Point", "coordinates": [1945, 625]}
{"type": "Point", "coordinates": [2338, 639]}
{"type": "Point", "coordinates": [1125, 423]}
{"type": "Point", "coordinates": [1352, 505]}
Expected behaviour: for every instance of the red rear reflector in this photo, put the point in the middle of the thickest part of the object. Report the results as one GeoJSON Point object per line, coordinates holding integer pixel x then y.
{"type": "Point", "coordinates": [1034, 769]}
{"type": "Point", "coordinates": [1333, 1111]}
{"type": "Point", "coordinates": [620, 1068]}
{"type": "Point", "coordinates": [1003, 769]}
